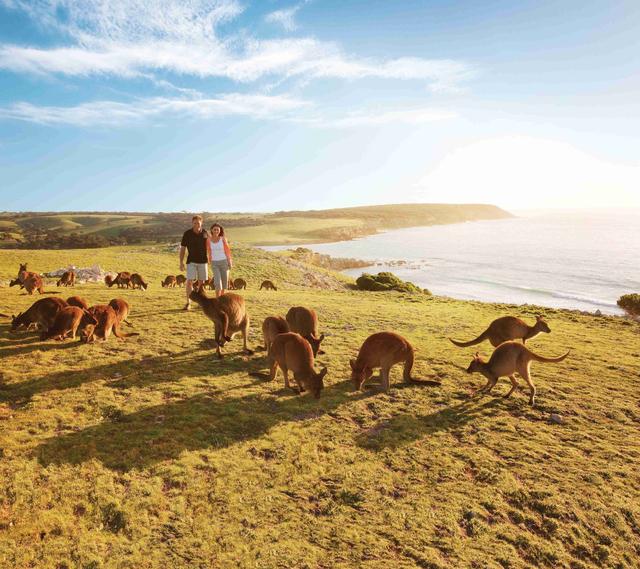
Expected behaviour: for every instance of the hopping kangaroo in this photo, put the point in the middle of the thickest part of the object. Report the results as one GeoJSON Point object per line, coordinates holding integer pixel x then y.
{"type": "Point", "coordinates": [508, 359]}
{"type": "Point", "coordinates": [271, 327]}
{"type": "Point", "coordinates": [67, 322]}
{"type": "Point", "coordinates": [383, 350]}
{"type": "Point", "coordinates": [304, 321]}
{"type": "Point", "coordinates": [106, 321]}
{"type": "Point", "coordinates": [228, 315]}
{"type": "Point", "coordinates": [268, 285]}
{"type": "Point", "coordinates": [505, 329]}
{"type": "Point", "coordinates": [68, 278]}
{"type": "Point", "coordinates": [291, 352]}
{"type": "Point", "coordinates": [42, 313]}
{"type": "Point", "coordinates": [78, 301]}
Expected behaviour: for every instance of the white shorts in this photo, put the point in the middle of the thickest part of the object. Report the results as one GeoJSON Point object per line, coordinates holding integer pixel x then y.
{"type": "Point", "coordinates": [197, 272]}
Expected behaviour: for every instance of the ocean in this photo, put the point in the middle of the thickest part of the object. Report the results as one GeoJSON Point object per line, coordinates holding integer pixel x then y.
{"type": "Point", "coordinates": [582, 260]}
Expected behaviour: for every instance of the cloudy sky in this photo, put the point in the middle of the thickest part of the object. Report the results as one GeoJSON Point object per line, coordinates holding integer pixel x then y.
{"type": "Point", "coordinates": [161, 105]}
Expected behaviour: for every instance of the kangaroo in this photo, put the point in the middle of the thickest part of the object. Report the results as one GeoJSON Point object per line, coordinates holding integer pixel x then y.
{"type": "Point", "coordinates": [271, 327]}
{"type": "Point", "coordinates": [291, 352]}
{"type": "Point", "coordinates": [239, 284]}
{"type": "Point", "coordinates": [34, 282]}
{"type": "Point", "coordinates": [505, 329]}
{"type": "Point", "coordinates": [121, 308]}
{"type": "Point", "coordinates": [268, 285]}
{"type": "Point", "coordinates": [67, 322]}
{"type": "Point", "coordinates": [508, 359]}
{"type": "Point", "coordinates": [78, 301]}
{"type": "Point", "coordinates": [109, 280]}
{"type": "Point", "coordinates": [169, 282]}
{"type": "Point", "coordinates": [180, 280]}
{"type": "Point", "coordinates": [123, 279]}
{"type": "Point", "coordinates": [23, 274]}
{"type": "Point", "coordinates": [137, 281]}
{"type": "Point", "coordinates": [228, 314]}
{"type": "Point", "coordinates": [106, 321]}
{"type": "Point", "coordinates": [304, 321]}
{"type": "Point", "coordinates": [68, 278]}
{"type": "Point", "coordinates": [41, 313]}
{"type": "Point", "coordinates": [383, 350]}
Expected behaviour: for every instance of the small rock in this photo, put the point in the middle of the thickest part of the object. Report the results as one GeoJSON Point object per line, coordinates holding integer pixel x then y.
{"type": "Point", "coordinates": [556, 418]}
{"type": "Point", "coordinates": [598, 312]}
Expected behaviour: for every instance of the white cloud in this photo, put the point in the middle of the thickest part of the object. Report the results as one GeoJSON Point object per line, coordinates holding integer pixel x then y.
{"type": "Point", "coordinates": [379, 118]}
{"type": "Point", "coordinates": [285, 17]}
{"type": "Point", "coordinates": [519, 172]}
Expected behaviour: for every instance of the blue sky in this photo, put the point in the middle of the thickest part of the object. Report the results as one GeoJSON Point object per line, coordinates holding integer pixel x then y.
{"type": "Point", "coordinates": [226, 105]}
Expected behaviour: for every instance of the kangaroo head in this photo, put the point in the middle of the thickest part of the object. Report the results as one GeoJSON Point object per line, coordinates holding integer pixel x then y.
{"type": "Point", "coordinates": [476, 364]}
{"type": "Point", "coordinates": [23, 267]}
{"type": "Point", "coordinates": [359, 374]}
{"type": "Point", "coordinates": [315, 343]}
{"type": "Point", "coordinates": [316, 384]}
{"type": "Point", "coordinates": [542, 325]}
{"type": "Point", "coordinates": [88, 318]}
{"type": "Point", "coordinates": [16, 321]}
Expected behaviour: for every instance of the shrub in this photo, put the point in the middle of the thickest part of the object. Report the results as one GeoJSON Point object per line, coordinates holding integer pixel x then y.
{"type": "Point", "coordinates": [630, 303]}
{"type": "Point", "coordinates": [386, 281]}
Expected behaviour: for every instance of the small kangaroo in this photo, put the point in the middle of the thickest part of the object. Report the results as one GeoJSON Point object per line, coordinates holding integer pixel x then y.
{"type": "Point", "coordinates": [239, 284]}
{"type": "Point", "coordinates": [508, 359]}
{"type": "Point", "coordinates": [291, 352]}
{"type": "Point", "coordinates": [78, 301]}
{"type": "Point", "coordinates": [268, 285]}
{"type": "Point", "coordinates": [383, 350]}
{"type": "Point", "coordinates": [41, 313]}
{"type": "Point", "coordinates": [121, 308]}
{"type": "Point", "coordinates": [109, 280]}
{"type": "Point", "coordinates": [68, 278]}
{"type": "Point", "coordinates": [180, 280]}
{"type": "Point", "coordinates": [123, 279]}
{"type": "Point", "coordinates": [228, 315]}
{"type": "Point", "coordinates": [304, 321]}
{"type": "Point", "coordinates": [67, 322]}
{"type": "Point", "coordinates": [136, 280]}
{"type": "Point", "coordinates": [106, 321]}
{"type": "Point", "coordinates": [34, 282]}
{"type": "Point", "coordinates": [507, 328]}
{"type": "Point", "coordinates": [271, 327]}
{"type": "Point", "coordinates": [169, 282]}
{"type": "Point", "coordinates": [23, 274]}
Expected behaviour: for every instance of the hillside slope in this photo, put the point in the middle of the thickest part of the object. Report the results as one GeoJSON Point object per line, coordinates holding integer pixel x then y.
{"type": "Point", "coordinates": [151, 453]}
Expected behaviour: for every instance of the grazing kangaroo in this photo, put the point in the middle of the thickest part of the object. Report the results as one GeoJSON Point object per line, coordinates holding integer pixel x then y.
{"type": "Point", "coordinates": [137, 281]}
{"type": "Point", "coordinates": [228, 315]}
{"type": "Point", "coordinates": [239, 284]}
{"type": "Point", "coordinates": [67, 322]}
{"type": "Point", "coordinates": [508, 359]}
{"type": "Point", "coordinates": [383, 350]}
{"type": "Point", "coordinates": [78, 301]}
{"type": "Point", "coordinates": [304, 321]}
{"type": "Point", "coordinates": [291, 352]}
{"type": "Point", "coordinates": [68, 278]}
{"type": "Point", "coordinates": [42, 313]}
{"type": "Point", "coordinates": [121, 308]}
{"type": "Point", "coordinates": [271, 327]}
{"type": "Point", "coordinates": [180, 280]}
{"type": "Point", "coordinates": [268, 285]}
{"type": "Point", "coordinates": [109, 280]}
{"type": "Point", "coordinates": [123, 279]}
{"type": "Point", "coordinates": [169, 282]}
{"type": "Point", "coordinates": [106, 321]}
{"type": "Point", "coordinates": [505, 329]}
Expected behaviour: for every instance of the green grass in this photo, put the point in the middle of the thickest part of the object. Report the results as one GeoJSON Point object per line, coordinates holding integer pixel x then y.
{"type": "Point", "coordinates": [152, 453]}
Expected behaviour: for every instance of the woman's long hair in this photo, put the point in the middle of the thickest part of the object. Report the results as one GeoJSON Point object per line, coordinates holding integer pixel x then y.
{"type": "Point", "coordinates": [216, 225]}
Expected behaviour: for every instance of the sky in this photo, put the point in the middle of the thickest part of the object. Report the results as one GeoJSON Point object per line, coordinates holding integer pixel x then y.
{"type": "Point", "coordinates": [231, 105]}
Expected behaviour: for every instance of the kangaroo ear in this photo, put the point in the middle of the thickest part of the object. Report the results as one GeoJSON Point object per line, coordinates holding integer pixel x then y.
{"type": "Point", "coordinates": [321, 338]}
{"type": "Point", "coordinates": [477, 356]}
{"type": "Point", "coordinates": [322, 373]}
{"type": "Point", "coordinates": [352, 363]}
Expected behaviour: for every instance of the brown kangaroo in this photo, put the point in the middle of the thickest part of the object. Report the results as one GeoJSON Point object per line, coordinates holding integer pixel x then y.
{"type": "Point", "coordinates": [228, 315]}
{"type": "Point", "coordinates": [137, 281]}
{"type": "Point", "coordinates": [78, 301]}
{"type": "Point", "coordinates": [169, 282]}
{"type": "Point", "coordinates": [505, 329]}
{"type": "Point", "coordinates": [123, 279]}
{"type": "Point", "coordinates": [121, 308]}
{"type": "Point", "coordinates": [23, 274]}
{"type": "Point", "coordinates": [109, 280]}
{"type": "Point", "coordinates": [271, 327]}
{"type": "Point", "coordinates": [293, 353]}
{"type": "Point", "coordinates": [68, 278]}
{"type": "Point", "coordinates": [268, 285]}
{"type": "Point", "coordinates": [383, 350]}
{"type": "Point", "coordinates": [106, 321]}
{"type": "Point", "coordinates": [508, 359]}
{"type": "Point", "coordinates": [42, 313]}
{"type": "Point", "coordinates": [180, 280]}
{"type": "Point", "coordinates": [304, 321]}
{"type": "Point", "coordinates": [239, 284]}
{"type": "Point", "coordinates": [34, 282]}
{"type": "Point", "coordinates": [67, 322]}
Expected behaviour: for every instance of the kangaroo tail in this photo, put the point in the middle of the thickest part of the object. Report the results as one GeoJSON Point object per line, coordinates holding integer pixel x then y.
{"type": "Point", "coordinates": [129, 323]}
{"type": "Point", "coordinates": [479, 339]}
{"type": "Point", "coordinates": [258, 374]}
{"type": "Point", "coordinates": [549, 360]}
{"type": "Point", "coordinates": [118, 334]}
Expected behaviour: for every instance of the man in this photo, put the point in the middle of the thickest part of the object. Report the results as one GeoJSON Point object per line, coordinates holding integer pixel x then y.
{"type": "Point", "coordinates": [194, 241]}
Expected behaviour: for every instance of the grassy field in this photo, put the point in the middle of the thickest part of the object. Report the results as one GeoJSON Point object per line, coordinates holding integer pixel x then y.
{"type": "Point", "coordinates": [151, 453]}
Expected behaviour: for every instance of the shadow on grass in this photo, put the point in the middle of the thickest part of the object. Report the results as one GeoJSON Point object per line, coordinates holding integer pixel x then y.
{"type": "Point", "coordinates": [163, 432]}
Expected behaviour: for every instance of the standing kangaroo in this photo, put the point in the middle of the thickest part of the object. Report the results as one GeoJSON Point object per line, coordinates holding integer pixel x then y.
{"type": "Point", "coordinates": [67, 322]}
{"type": "Point", "coordinates": [304, 321]}
{"type": "Point", "coordinates": [508, 359]}
{"type": "Point", "coordinates": [271, 327]}
{"type": "Point", "coordinates": [228, 315]}
{"type": "Point", "coordinates": [505, 329]}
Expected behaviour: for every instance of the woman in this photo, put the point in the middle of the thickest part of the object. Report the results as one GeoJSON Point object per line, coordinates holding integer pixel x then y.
{"type": "Point", "coordinates": [220, 258]}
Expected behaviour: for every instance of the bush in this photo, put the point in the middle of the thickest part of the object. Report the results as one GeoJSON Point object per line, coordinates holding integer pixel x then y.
{"type": "Point", "coordinates": [386, 281]}
{"type": "Point", "coordinates": [630, 303]}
